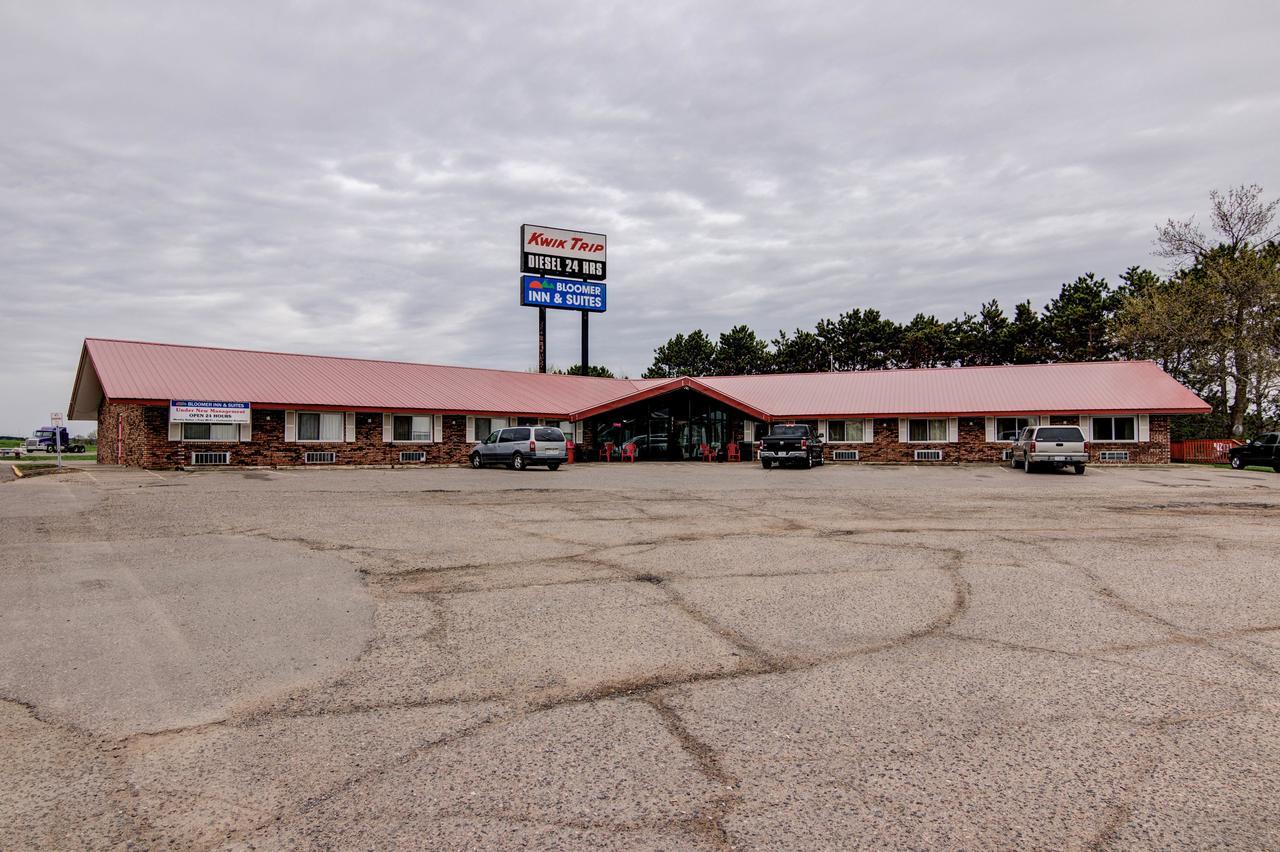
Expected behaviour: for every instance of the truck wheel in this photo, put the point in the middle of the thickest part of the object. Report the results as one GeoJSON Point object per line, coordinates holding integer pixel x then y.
{"type": "Point", "coordinates": [808, 462]}
{"type": "Point", "coordinates": [1079, 470]}
{"type": "Point", "coordinates": [553, 466]}
{"type": "Point", "coordinates": [766, 464]}
{"type": "Point", "coordinates": [1014, 463]}
{"type": "Point", "coordinates": [1026, 465]}
{"type": "Point", "coordinates": [517, 462]}
{"type": "Point", "coordinates": [476, 462]}
{"type": "Point", "coordinates": [1237, 462]}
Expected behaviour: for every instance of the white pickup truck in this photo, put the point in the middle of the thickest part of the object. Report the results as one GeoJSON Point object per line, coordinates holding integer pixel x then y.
{"type": "Point", "coordinates": [1059, 446]}
{"type": "Point", "coordinates": [31, 447]}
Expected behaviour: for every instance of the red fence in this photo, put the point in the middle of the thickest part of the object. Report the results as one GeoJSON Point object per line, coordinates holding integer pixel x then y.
{"type": "Point", "coordinates": [1203, 451]}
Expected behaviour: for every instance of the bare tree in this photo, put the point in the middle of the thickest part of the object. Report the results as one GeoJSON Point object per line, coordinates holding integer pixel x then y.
{"type": "Point", "coordinates": [1233, 277]}
{"type": "Point", "coordinates": [1240, 218]}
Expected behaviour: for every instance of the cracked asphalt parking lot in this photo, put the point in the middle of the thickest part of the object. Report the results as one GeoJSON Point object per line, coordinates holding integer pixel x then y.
{"type": "Point", "coordinates": [641, 656]}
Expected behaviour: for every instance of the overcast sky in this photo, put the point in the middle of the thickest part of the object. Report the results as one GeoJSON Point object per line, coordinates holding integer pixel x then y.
{"type": "Point", "coordinates": [350, 179]}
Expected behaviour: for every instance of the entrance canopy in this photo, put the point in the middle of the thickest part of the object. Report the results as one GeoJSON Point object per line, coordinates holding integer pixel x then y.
{"type": "Point", "coordinates": [673, 425]}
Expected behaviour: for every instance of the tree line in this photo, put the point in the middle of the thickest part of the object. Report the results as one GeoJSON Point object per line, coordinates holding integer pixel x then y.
{"type": "Point", "coordinates": [1212, 322]}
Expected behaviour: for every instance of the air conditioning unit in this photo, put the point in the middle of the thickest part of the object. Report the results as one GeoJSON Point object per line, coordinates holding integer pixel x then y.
{"type": "Point", "coordinates": [1006, 455]}
{"type": "Point", "coordinates": [1114, 455]}
{"type": "Point", "coordinates": [413, 456]}
{"type": "Point", "coordinates": [928, 455]}
{"type": "Point", "coordinates": [210, 458]}
{"type": "Point", "coordinates": [320, 458]}
{"type": "Point", "coordinates": [844, 455]}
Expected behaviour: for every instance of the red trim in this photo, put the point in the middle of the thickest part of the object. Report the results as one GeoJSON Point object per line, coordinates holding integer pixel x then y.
{"type": "Point", "coordinates": [680, 384]}
{"type": "Point", "coordinates": [924, 415]}
{"type": "Point", "coordinates": [364, 409]}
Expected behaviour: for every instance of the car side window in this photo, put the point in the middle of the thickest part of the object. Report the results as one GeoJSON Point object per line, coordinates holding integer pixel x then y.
{"type": "Point", "coordinates": [492, 439]}
{"type": "Point", "coordinates": [1270, 439]}
{"type": "Point", "coordinates": [507, 435]}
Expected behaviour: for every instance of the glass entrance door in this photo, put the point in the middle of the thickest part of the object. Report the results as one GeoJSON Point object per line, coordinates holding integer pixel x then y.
{"type": "Point", "coordinates": [672, 427]}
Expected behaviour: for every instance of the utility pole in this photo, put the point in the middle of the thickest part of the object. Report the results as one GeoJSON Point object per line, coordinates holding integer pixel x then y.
{"type": "Point", "coordinates": [584, 362]}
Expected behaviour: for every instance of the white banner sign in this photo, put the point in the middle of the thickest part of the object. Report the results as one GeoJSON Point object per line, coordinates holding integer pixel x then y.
{"type": "Point", "coordinates": [555, 251]}
{"type": "Point", "coordinates": [206, 411]}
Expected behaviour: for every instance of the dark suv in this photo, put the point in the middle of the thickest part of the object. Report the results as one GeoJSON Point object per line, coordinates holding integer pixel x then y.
{"type": "Point", "coordinates": [1263, 450]}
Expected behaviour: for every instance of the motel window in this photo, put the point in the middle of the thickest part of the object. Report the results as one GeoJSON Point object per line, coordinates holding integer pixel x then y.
{"type": "Point", "coordinates": [845, 430]}
{"type": "Point", "coordinates": [210, 431]}
{"type": "Point", "coordinates": [407, 428]}
{"type": "Point", "coordinates": [927, 430]}
{"type": "Point", "coordinates": [1115, 429]}
{"type": "Point", "coordinates": [483, 427]}
{"type": "Point", "coordinates": [319, 426]}
{"type": "Point", "coordinates": [1007, 428]}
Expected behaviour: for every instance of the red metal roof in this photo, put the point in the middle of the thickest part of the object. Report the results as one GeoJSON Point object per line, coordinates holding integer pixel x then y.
{"type": "Point", "coordinates": [127, 370]}
{"type": "Point", "coordinates": [161, 371]}
{"type": "Point", "coordinates": [1087, 388]}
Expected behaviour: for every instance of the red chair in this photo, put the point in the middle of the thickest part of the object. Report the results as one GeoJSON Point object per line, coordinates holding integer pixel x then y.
{"type": "Point", "coordinates": [732, 452]}
{"type": "Point", "coordinates": [628, 452]}
{"type": "Point", "coordinates": [707, 453]}
{"type": "Point", "coordinates": [606, 452]}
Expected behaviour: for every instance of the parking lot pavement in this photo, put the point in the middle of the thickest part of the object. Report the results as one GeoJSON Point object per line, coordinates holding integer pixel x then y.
{"type": "Point", "coordinates": [641, 656]}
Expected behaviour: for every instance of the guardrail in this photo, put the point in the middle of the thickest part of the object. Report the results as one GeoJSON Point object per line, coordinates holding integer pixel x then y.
{"type": "Point", "coordinates": [1202, 450]}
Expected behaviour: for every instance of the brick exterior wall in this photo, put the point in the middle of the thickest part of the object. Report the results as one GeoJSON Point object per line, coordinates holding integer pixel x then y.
{"type": "Point", "coordinates": [972, 445]}
{"type": "Point", "coordinates": [122, 434]}
{"type": "Point", "coordinates": [146, 442]}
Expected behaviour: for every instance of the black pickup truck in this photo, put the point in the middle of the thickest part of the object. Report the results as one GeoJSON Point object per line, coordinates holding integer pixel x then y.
{"type": "Point", "coordinates": [790, 442]}
{"type": "Point", "coordinates": [1263, 450]}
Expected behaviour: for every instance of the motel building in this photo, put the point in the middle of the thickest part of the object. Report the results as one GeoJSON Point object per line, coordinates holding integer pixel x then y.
{"type": "Point", "coordinates": [311, 409]}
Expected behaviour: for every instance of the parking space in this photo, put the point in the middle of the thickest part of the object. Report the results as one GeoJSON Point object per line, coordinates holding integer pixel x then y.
{"type": "Point", "coordinates": [641, 656]}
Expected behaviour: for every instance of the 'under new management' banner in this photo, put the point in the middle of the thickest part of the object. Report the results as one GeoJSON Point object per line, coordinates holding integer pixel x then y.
{"type": "Point", "coordinates": [207, 411]}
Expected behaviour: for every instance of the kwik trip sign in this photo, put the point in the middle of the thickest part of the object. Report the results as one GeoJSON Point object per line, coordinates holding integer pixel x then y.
{"type": "Point", "coordinates": [207, 411]}
{"type": "Point", "coordinates": [564, 254]}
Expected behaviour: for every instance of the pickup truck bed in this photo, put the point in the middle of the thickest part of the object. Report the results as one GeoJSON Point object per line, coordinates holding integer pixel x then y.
{"type": "Point", "coordinates": [790, 444]}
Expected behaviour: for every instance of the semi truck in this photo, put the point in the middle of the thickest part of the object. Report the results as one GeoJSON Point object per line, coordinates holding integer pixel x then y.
{"type": "Point", "coordinates": [49, 438]}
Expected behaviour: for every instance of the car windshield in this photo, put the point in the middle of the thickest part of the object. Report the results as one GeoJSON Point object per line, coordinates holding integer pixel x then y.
{"type": "Point", "coordinates": [548, 434]}
{"type": "Point", "coordinates": [789, 432]}
{"type": "Point", "coordinates": [1060, 433]}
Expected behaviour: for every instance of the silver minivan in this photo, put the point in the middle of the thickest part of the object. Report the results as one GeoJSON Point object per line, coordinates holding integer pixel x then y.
{"type": "Point", "coordinates": [519, 447]}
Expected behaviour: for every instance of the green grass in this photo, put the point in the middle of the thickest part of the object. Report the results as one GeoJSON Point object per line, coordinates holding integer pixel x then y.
{"type": "Point", "coordinates": [11, 442]}
{"type": "Point", "coordinates": [40, 459]}
{"type": "Point", "coordinates": [1258, 468]}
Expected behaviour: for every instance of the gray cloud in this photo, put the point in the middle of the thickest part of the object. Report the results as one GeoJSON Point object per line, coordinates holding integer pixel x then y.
{"type": "Point", "coordinates": [350, 179]}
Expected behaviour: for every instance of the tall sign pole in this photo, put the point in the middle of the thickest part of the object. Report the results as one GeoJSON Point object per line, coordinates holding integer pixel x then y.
{"type": "Point", "coordinates": [55, 418]}
{"type": "Point", "coordinates": [542, 340]}
{"type": "Point", "coordinates": [564, 270]}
